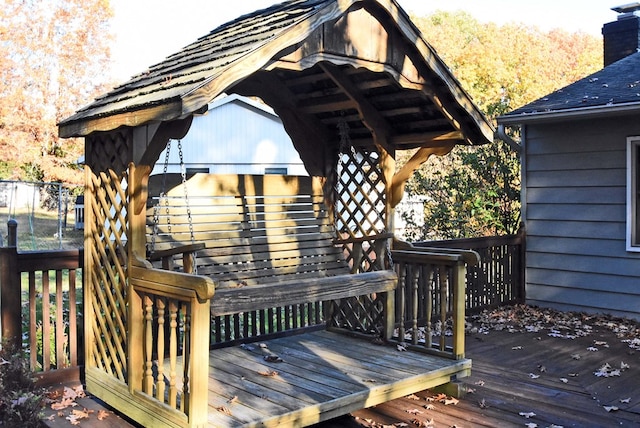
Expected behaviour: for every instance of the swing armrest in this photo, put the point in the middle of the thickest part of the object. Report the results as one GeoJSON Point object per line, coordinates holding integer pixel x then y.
{"type": "Point", "coordinates": [188, 256]}
{"type": "Point", "coordinates": [190, 248]}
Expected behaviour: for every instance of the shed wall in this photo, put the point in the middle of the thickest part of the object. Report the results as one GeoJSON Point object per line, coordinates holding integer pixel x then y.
{"type": "Point", "coordinates": [575, 194]}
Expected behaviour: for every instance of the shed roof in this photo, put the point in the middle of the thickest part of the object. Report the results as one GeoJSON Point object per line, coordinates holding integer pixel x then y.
{"type": "Point", "coordinates": [315, 62]}
{"type": "Point", "coordinates": [611, 90]}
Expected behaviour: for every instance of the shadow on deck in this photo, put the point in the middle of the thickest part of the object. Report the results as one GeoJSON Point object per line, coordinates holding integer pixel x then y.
{"type": "Point", "coordinates": [512, 373]}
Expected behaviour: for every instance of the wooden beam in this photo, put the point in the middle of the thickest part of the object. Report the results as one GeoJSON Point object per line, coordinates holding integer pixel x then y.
{"type": "Point", "coordinates": [421, 156]}
{"type": "Point", "coordinates": [369, 115]}
{"type": "Point", "coordinates": [86, 126]}
{"type": "Point", "coordinates": [412, 141]}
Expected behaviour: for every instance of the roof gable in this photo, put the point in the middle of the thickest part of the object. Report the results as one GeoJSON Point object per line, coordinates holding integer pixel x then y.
{"type": "Point", "coordinates": [350, 58]}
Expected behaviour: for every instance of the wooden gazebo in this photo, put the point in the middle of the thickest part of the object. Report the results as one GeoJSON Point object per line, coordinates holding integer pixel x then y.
{"type": "Point", "coordinates": [354, 83]}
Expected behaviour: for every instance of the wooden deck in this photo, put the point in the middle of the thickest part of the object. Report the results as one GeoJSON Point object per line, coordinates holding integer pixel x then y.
{"type": "Point", "coordinates": [314, 377]}
{"type": "Point", "coordinates": [501, 383]}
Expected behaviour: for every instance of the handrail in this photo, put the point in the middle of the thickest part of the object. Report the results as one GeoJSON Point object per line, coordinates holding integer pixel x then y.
{"type": "Point", "coordinates": [168, 311]}
{"type": "Point", "coordinates": [431, 299]}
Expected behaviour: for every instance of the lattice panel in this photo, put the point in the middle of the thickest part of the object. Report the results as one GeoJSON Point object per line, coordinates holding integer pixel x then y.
{"type": "Point", "coordinates": [360, 194]}
{"type": "Point", "coordinates": [111, 151]}
{"type": "Point", "coordinates": [362, 314]}
{"type": "Point", "coordinates": [105, 243]}
{"type": "Point", "coordinates": [360, 201]}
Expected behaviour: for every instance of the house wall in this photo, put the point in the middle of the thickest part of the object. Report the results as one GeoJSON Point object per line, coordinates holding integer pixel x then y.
{"type": "Point", "coordinates": [235, 137]}
{"type": "Point", "coordinates": [575, 192]}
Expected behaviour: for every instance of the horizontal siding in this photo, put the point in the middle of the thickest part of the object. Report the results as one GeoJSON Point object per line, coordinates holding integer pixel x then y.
{"type": "Point", "coordinates": [577, 246]}
{"type": "Point", "coordinates": [577, 212]}
{"type": "Point", "coordinates": [594, 230]}
{"type": "Point", "coordinates": [581, 280]}
{"type": "Point", "coordinates": [576, 178]}
{"type": "Point", "coordinates": [575, 195]}
{"type": "Point", "coordinates": [576, 217]}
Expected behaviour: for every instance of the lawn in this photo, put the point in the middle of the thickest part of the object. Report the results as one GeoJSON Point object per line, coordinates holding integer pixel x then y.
{"type": "Point", "coordinates": [40, 229]}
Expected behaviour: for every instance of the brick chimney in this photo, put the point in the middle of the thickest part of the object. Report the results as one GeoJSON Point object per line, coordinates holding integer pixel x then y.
{"type": "Point", "coordinates": [622, 37]}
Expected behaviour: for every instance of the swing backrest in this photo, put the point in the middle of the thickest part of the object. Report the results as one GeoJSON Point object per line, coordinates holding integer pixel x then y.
{"type": "Point", "coordinates": [254, 228]}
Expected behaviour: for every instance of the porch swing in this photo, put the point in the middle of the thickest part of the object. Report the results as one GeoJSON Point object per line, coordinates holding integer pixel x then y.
{"type": "Point", "coordinates": [187, 251]}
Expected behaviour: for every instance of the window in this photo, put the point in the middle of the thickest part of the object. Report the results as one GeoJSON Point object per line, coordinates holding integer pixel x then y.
{"type": "Point", "coordinates": [276, 171]}
{"type": "Point", "coordinates": [633, 194]}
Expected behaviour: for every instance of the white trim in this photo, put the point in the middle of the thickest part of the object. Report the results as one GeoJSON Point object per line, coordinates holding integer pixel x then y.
{"type": "Point", "coordinates": [633, 170]}
{"type": "Point", "coordinates": [220, 101]}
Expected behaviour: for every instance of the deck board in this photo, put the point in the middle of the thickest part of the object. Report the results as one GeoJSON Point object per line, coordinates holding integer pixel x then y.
{"type": "Point", "coordinates": [320, 376]}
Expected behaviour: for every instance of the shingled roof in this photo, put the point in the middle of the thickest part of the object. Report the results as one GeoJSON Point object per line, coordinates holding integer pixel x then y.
{"type": "Point", "coordinates": [611, 90]}
{"type": "Point", "coordinates": [316, 63]}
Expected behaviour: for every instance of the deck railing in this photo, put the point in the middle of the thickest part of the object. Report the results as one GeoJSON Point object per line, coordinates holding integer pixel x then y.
{"type": "Point", "coordinates": [430, 298]}
{"type": "Point", "coordinates": [42, 291]}
{"type": "Point", "coordinates": [41, 295]}
{"type": "Point", "coordinates": [499, 277]}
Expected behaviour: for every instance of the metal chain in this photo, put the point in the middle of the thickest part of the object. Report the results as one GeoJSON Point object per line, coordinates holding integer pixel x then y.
{"type": "Point", "coordinates": [163, 194]}
{"type": "Point", "coordinates": [183, 173]}
{"type": "Point", "coordinates": [162, 197]}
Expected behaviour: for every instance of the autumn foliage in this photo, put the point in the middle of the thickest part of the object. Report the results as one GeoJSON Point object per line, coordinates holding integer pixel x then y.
{"type": "Point", "coordinates": [476, 191]}
{"type": "Point", "coordinates": [54, 58]}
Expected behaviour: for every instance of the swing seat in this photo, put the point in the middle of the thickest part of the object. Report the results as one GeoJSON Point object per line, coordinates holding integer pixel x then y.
{"type": "Point", "coordinates": [269, 269]}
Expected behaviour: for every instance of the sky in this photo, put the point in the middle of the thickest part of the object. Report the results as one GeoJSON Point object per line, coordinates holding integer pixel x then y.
{"type": "Point", "coordinates": [147, 31]}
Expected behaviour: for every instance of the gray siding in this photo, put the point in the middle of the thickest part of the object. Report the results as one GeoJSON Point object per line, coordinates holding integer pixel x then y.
{"type": "Point", "coordinates": [575, 196]}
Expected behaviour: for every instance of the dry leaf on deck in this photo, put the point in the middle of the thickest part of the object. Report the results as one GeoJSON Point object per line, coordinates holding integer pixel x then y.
{"type": "Point", "coordinates": [268, 373]}
{"type": "Point", "coordinates": [451, 400]}
{"type": "Point", "coordinates": [527, 415]}
{"type": "Point", "coordinates": [531, 425]}
{"type": "Point", "coordinates": [224, 410]}
{"type": "Point", "coordinates": [413, 411]}
{"type": "Point", "coordinates": [429, 406]}
{"type": "Point", "coordinates": [102, 415]}
{"type": "Point", "coordinates": [610, 408]}
{"type": "Point", "coordinates": [516, 348]}
{"type": "Point", "coordinates": [413, 397]}
{"type": "Point", "coordinates": [533, 376]}
{"type": "Point", "coordinates": [483, 404]}
{"type": "Point", "coordinates": [625, 400]}
{"type": "Point", "coordinates": [273, 359]}
{"type": "Point", "coordinates": [564, 380]}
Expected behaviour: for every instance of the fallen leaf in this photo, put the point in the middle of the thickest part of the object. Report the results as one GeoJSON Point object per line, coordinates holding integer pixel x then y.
{"type": "Point", "coordinates": [592, 349]}
{"type": "Point", "coordinates": [623, 366]}
{"type": "Point", "coordinates": [451, 400]}
{"type": "Point", "coordinates": [268, 373]}
{"type": "Point", "coordinates": [531, 425]}
{"type": "Point", "coordinates": [233, 399]}
{"type": "Point", "coordinates": [224, 410]}
{"type": "Point", "coordinates": [542, 369]}
{"type": "Point", "coordinates": [414, 411]}
{"type": "Point", "coordinates": [273, 359]}
{"type": "Point", "coordinates": [564, 380]}
{"type": "Point", "coordinates": [572, 374]}
{"type": "Point", "coordinates": [483, 404]}
{"type": "Point", "coordinates": [516, 348]}
{"type": "Point", "coordinates": [102, 415]}
{"type": "Point", "coordinates": [479, 383]}
{"type": "Point", "coordinates": [401, 348]}
{"type": "Point", "coordinates": [533, 376]}
{"type": "Point", "coordinates": [429, 406]}
{"type": "Point", "coordinates": [527, 415]}
{"type": "Point", "coordinates": [610, 408]}
{"type": "Point", "coordinates": [576, 356]}
{"type": "Point", "coordinates": [413, 397]}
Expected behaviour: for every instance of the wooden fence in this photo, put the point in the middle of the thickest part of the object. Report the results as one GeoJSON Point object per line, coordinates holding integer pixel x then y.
{"type": "Point", "coordinates": [499, 277]}
{"type": "Point", "coordinates": [41, 304]}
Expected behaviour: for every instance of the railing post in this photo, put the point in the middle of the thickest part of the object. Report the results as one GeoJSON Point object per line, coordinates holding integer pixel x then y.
{"type": "Point", "coordinates": [10, 289]}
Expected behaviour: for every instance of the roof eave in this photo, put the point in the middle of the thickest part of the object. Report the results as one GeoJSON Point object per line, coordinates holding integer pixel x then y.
{"type": "Point", "coordinates": [574, 113]}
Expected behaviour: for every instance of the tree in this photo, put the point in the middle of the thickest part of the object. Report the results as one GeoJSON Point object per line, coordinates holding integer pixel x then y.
{"type": "Point", "coordinates": [54, 56]}
{"type": "Point", "coordinates": [475, 191]}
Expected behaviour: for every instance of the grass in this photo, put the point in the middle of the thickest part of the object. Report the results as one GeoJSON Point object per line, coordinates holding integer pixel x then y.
{"type": "Point", "coordinates": [39, 230]}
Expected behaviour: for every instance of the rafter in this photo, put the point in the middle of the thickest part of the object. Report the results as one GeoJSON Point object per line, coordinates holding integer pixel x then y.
{"type": "Point", "coordinates": [369, 115]}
